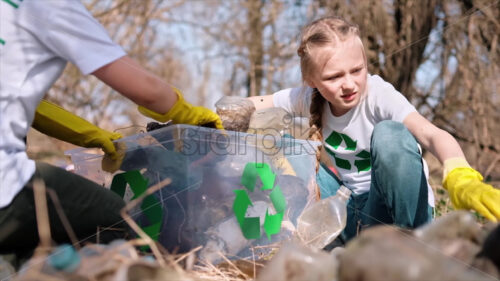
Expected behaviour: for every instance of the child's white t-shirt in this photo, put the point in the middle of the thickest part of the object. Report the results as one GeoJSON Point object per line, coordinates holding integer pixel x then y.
{"type": "Point", "coordinates": [347, 138]}
{"type": "Point", "coordinates": [37, 39]}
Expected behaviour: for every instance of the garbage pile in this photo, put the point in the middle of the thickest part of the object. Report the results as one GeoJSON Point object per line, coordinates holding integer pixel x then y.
{"type": "Point", "coordinates": [117, 261]}
{"type": "Point", "coordinates": [242, 208]}
{"type": "Point", "coordinates": [453, 247]}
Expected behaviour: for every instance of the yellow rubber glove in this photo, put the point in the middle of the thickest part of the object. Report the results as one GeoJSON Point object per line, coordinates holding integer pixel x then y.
{"type": "Point", "coordinates": [467, 191]}
{"type": "Point", "coordinates": [56, 122]}
{"type": "Point", "coordinates": [185, 113]}
{"type": "Point", "coordinates": [112, 162]}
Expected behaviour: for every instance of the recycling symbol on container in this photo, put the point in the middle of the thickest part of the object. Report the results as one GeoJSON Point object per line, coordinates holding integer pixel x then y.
{"type": "Point", "coordinates": [250, 226]}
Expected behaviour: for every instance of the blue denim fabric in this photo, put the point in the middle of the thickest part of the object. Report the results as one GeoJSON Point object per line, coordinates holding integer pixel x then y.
{"type": "Point", "coordinates": [398, 191]}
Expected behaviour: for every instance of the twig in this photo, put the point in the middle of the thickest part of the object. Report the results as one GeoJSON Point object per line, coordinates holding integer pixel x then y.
{"type": "Point", "coordinates": [254, 265]}
{"type": "Point", "coordinates": [129, 127]}
{"type": "Point", "coordinates": [234, 266]}
{"type": "Point", "coordinates": [138, 229]}
{"type": "Point", "coordinates": [210, 265]}
{"type": "Point", "coordinates": [183, 220]}
{"type": "Point", "coordinates": [63, 218]}
{"type": "Point", "coordinates": [187, 254]}
{"type": "Point", "coordinates": [42, 215]}
{"type": "Point", "coordinates": [491, 166]}
{"type": "Point", "coordinates": [190, 262]}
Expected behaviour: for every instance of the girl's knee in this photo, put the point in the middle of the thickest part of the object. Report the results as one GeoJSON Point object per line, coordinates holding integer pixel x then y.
{"type": "Point", "coordinates": [387, 130]}
{"type": "Point", "coordinates": [392, 137]}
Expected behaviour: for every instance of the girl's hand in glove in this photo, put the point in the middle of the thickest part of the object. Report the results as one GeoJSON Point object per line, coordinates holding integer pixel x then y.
{"type": "Point", "coordinates": [467, 191]}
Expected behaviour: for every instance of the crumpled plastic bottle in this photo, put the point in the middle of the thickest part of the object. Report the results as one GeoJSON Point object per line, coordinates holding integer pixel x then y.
{"type": "Point", "coordinates": [321, 222]}
{"type": "Point", "coordinates": [64, 258]}
{"type": "Point", "coordinates": [226, 237]}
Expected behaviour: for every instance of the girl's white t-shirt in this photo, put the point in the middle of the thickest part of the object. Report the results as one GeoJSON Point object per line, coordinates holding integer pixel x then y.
{"type": "Point", "coordinates": [347, 138]}
{"type": "Point", "coordinates": [37, 39]}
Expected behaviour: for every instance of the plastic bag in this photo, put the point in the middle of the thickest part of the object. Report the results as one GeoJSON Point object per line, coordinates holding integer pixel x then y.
{"type": "Point", "coordinates": [270, 121]}
{"type": "Point", "coordinates": [235, 112]}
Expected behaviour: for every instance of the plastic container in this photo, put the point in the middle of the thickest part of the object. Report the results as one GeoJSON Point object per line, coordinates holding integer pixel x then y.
{"type": "Point", "coordinates": [207, 167]}
{"type": "Point", "coordinates": [322, 221]}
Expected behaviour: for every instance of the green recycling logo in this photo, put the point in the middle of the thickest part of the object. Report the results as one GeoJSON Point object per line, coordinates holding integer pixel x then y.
{"type": "Point", "coordinates": [250, 226]}
{"type": "Point", "coordinates": [335, 139]}
{"type": "Point", "coordinates": [151, 207]}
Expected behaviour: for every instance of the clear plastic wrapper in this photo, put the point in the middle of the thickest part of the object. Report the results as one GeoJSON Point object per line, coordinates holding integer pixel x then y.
{"type": "Point", "coordinates": [273, 121]}
{"type": "Point", "coordinates": [235, 112]}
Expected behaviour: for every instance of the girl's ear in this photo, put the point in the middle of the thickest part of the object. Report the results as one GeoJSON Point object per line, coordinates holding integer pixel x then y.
{"type": "Point", "coordinates": [310, 83]}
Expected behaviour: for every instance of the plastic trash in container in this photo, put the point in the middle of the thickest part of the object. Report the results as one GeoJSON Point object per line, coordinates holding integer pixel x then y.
{"type": "Point", "coordinates": [321, 222]}
{"type": "Point", "coordinates": [226, 237]}
{"type": "Point", "coordinates": [207, 168]}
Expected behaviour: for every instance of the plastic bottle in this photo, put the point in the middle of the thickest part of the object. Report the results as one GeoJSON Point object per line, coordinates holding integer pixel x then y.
{"type": "Point", "coordinates": [226, 237]}
{"type": "Point", "coordinates": [64, 258]}
{"type": "Point", "coordinates": [321, 222]}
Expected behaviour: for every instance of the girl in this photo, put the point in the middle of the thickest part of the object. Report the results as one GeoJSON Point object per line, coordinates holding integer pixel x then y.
{"type": "Point", "coordinates": [372, 135]}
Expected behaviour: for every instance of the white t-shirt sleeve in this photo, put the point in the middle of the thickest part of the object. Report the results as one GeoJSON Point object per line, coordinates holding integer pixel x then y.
{"type": "Point", "coordinates": [69, 30]}
{"type": "Point", "coordinates": [294, 100]}
{"type": "Point", "coordinates": [386, 102]}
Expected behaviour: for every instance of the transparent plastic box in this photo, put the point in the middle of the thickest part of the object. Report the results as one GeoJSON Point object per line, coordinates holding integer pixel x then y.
{"type": "Point", "coordinates": [207, 167]}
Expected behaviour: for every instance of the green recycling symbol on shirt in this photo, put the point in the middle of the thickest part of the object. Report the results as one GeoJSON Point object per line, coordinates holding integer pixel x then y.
{"type": "Point", "coordinates": [250, 226]}
{"type": "Point", "coordinates": [335, 139]}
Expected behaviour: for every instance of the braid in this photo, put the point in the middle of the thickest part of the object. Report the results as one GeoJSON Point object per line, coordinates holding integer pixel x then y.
{"type": "Point", "coordinates": [316, 110]}
{"type": "Point", "coordinates": [315, 121]}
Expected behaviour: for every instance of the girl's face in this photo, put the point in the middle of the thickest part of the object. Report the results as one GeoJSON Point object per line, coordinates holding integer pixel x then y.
{"type": "Point", "coordinates": [340, 74]}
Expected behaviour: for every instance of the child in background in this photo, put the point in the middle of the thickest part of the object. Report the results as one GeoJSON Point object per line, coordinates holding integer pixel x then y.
{"type": "Point", "coordinates": [373, 135]}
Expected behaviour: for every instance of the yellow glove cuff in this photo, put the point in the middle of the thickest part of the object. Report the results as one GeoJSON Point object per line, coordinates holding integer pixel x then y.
{"type": "Point", "coordinates": [451, 163]}
{"type": "Point", "coordinates": [59, 123]}
{"type": "Point", "coordinates": [178, 106]}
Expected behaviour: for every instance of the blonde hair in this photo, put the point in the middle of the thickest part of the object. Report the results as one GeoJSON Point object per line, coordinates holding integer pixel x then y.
{"type": "Point", "coordinates": [323, 32]}
{"type": "Point", "coordinates": [327, 31]}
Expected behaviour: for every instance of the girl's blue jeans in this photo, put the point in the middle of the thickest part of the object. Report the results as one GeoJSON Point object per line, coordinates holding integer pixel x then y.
{"type": "Point", "coordinates": [398, 191]}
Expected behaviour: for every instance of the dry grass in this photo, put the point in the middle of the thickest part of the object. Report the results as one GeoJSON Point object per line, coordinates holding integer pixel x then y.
{"type": "Point", "coordinates": [109, 260]}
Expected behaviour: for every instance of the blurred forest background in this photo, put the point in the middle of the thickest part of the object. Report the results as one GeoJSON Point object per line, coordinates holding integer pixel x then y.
{"type": "Point", "coordinates": [443, 55]}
